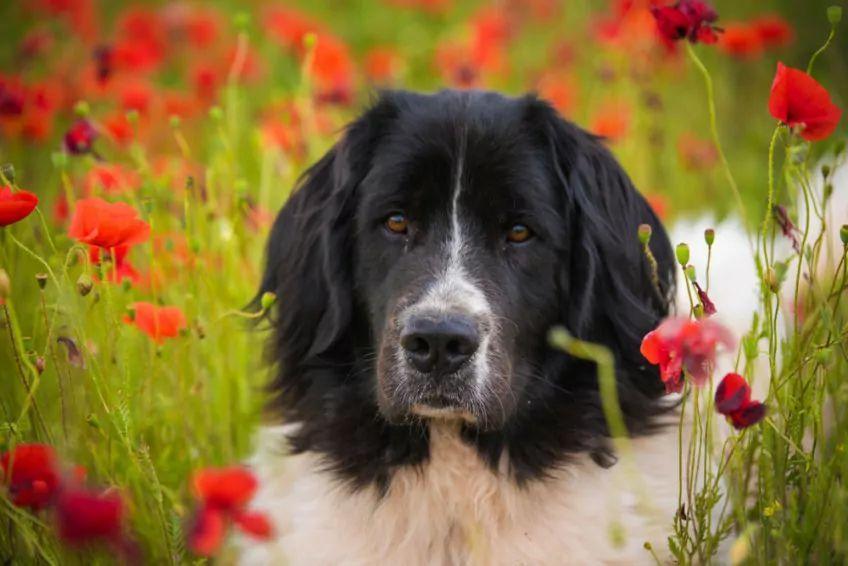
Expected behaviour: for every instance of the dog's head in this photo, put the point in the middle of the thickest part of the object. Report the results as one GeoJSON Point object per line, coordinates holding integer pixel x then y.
{"type": "Point", "coordinates": [422, 261]}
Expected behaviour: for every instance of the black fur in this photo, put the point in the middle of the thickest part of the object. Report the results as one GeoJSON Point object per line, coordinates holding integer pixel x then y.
{"type": "Point", "coordinates": [334, 275]}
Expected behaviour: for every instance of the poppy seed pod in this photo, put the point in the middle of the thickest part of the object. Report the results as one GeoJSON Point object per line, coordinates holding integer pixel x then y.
{"type": "Point", "coordinates": [690, 272]}
{"type": "Point", "coordinates": [644, 233]}
{"type": "Point", "coordinates": [682, 254]}
{"type": "Point", "coordinates": [84, 284]}
{"type": "Point", "coordinates": [41, 279]}
{"type": "Point", "coordinates": [834, 14]}
{"type": "Point", "coordinates": [709, 236]}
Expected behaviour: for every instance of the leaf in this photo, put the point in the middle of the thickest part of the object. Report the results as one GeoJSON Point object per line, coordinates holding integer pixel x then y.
{"type": "Point", "coordinates": [74, 354]}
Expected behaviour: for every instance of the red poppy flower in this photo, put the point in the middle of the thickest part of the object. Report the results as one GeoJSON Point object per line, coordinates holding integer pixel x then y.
{"type": "Point", "coordinates": [157, 322]}
{"type": "Point", "coordinates": [107, 225]}
{"type": "Point", "coordinates": [12, 98]}
{"type": "Point", "coordinates": [773, 30]}
{"type": "Point", "coordinates": [741, 40]}
{"type": "Point", "coordinates": [733, 399]}
{"type": "Point", "coordinates": [224, 495]}
{"type": "Point", "coordinates": [79, 139]}
{"type": "Point", "coordinates": [679, 343]}
{"type": "Point", "coordinates": [611, 122]}
{"type": "Point", "coordinates": [797, 99]}
{"type": "Point", "coordinates": [686, 19]}
{"type": "Point", "coordinates": [708, 306]}
{"type": "Point", "coordinates": [696, 154]}
{"type": "Point", "coordinates": [31, 475]}
{"type": "Point", "coordinates": [111, 178]}
{"type": "Point", "coordinates": [383, 65]}
{"type": "Point", "coordinates": [15, 206]}
{"type": "Point", "coordinates": [85, 517]}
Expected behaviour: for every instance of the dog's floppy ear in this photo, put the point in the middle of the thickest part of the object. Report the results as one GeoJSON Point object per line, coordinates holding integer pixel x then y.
{"type": "Point", "coordinates": [609, 295]}
{"type": "Point", "coordinates": [310, 252]}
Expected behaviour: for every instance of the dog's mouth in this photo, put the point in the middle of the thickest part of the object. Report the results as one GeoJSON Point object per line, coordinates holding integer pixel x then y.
{"type": "Point", "coordinates": [442, 410]}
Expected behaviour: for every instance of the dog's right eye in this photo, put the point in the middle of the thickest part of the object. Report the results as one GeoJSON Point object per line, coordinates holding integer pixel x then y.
{"type": "Point", "coordinates": [397, 223]}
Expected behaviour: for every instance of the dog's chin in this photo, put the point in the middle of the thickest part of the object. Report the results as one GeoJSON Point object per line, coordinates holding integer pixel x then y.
{"type": "Point", "coordinates": [442, 413]}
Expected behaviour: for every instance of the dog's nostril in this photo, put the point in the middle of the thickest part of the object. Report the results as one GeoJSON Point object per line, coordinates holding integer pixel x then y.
{"type": "Point", "coordinates": [439, 344]}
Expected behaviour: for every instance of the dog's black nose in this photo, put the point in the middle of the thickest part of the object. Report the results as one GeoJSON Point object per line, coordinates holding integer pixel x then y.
{"type": "Point", "coordinates": [439, 344]}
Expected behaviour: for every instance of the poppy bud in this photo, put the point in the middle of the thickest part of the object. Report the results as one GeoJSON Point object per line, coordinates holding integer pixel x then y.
{"type": "Point", "coordinates": [132, 116]}
{"type": "Point", "coordinates": [771, 280]}
{"type": "Point", "coordinates": [131, 313]}
{"type": "Point", "coordinates": [709, 236]}
{"type": "Point", "coordinates": [241, 20]}
{"type": "Point", "coordinates": [823, 355]}
{"type": "Point", "coordinates": [41, 279]}
{"type": "Point", "coordinates": [309, 40]}
{"type": "Point", "coordinates": [843, 234]}
{"type": "Point", "coordinates": [174, 121]}
{"type": "Point", "coordinates": [216, 113]}
{"type": "Point", "coordinates": [60, 159]}
{"type": "Point", "coordinates": [81, 109]}
{"type": "Point", "coordinates": [682, 253]}
{"type": "Point", "coordinates": [828, 190]}
{"type": "Point", "coordinates": [644, 233]}
{"type": "Point", "coordinates": [268, 299]}
{"type": "Point", "coordinates": [7, 170]}
{"type": "Point", "coordinates": [5, 285]}
{"type": "Point", "coordinates": [699, 311]}
{"type": "Point", "coordinates": [690, 272]}
{"type": "Point", "coordinates": [84, 284]}
{"type": "Point", "coordinates": [39, 365]}
{"type": "Point", "coordinates": [834, 14]}
{"type": "Point", "coordinates": [825, 171]}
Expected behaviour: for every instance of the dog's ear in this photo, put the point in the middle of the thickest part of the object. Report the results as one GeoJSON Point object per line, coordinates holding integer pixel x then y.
{"type": "Point", "coordinates": [310, 250]}
{"type": "Point", "coordinates": [609, 292]}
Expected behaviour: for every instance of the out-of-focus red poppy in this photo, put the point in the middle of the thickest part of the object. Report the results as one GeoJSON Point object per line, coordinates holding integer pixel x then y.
{"type": "Point", "coordinates": [224, 495]}
{"type": "Point", "coordinates": [491, 29]}
{"type": "Point", "coordinates": [136, 95]}
{"type": "Point", "coordinates": [199, 26]}
{"type": "Point", "coordinates": [15, 205]}
{"type": "Point", "coordinates": [679, 343]}
{"type": "Point", "coordinates": [111, 178]}
{"type": "Point", "coordinates": [659, 204]}
{"type": "Point", "coordinates": [696, 154]}
{"type": "Point", "coordinates": [80, 15]}
{"type": "Point", "coordinates": [773, 30]}
{"type": "Point", "coordinates": [559, 89]}
{"type": "Point", "coordinates": [332, 70]}
{"type": "Point", "coordinates": [119, 128]}
{"type": "Point", "coordinates": [36, 42]}
{"type": "Point", "coordinates": [206, 79]}
{"type": "Point", "coordinates": [798, 100]}
{"type": "Point", "coordinates": [383, 65]}
{"type": "Point", "coordinates": [84, 517]}
{"type": "Point", "coordinates": [140, 45]}
{"type": "Point", "coordinates": [160, 323]}
{"type": "Point", "coordinates": [120, 269]}
{"type": "Point", "coordinates": [687, 19]}
{"type": "Point", "coordinates": [456, 65]}
{"type": "Point", "coordinates": [80, 137]}
{"type": "Point", "coordinates": [288, 26]}
{"type": "Point", "coordinates": [741, 40]}
{"type": "Point", "coordinates": [12, 96]}
{"type": "Point", "coordinates": [31, 475]}
{"type": "Point", "coordinates": [733, 399]}
{"type": "Point", "coordinates": [107, 225]}
{"type": "Point", "coordinates": [611, 122]}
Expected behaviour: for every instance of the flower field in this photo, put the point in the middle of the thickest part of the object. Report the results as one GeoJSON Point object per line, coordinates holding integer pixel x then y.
{"type": "Point", "coordinates": [145, 148]}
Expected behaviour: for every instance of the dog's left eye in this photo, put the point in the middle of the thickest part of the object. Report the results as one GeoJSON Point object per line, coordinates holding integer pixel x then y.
{"type": "Point", "coordinates": [397, 223]}
{"type": "Point", "coordinates": [518, 233]}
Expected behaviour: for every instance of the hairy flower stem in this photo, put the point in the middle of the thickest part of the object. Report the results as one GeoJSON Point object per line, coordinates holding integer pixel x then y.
{"type": "Point", "coordinates": [708, 82]}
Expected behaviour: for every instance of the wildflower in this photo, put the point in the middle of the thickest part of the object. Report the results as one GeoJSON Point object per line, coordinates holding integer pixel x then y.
{"type": "Point", "coordinates": [773, 30]}
{"type": "Point", "coordinates": [104, 63]}
{"type": "Point", "coordinates": [15, 206]}
{"type": "Point", "coordinates": [741, 40]}
{"type": "Point", "coordinates": [79, 139]}
{"type": "Point", "coordinates": [31, 474]}
{"type": "Point", "coordinates": [224, 495]}
{"type": "Point", "coordinates": [107, 225]}
{"type": "Point", "coordinates": [696, 154]}
{"type": "Point", "coordinates": [121, 268]}
{"type": "Point", "coordinates": [708, 306]}
{"type": "Point", "coordinates": [733, 399]}
{"type": "Point", "coordinates": [383, 65]}
{"type": "Point", "coordinates": [679, 343]}
{"type": "Point", "coordinates": [157, 322]}
{"type": "Point", "coordinates": [112, 178]}
{"type": "Point", "coordinates": [789, 229]}
{"type": "Point", "coordinates": [558, 89]}
{"type": "Point", "coordinates": [84, 516]}
{"type": "Point", "coordinates": [797, 99]}
{"type": "Point", "coordinates": [611, 122]}
{"type": "Point", "coordinates": [687, 19]}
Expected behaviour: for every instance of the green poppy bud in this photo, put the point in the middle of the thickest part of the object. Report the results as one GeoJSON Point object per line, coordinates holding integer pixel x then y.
{"type": "Point", "coordinates": [268, 299]}
{"type": "Point", "coordinates": [682, 253]}
{"type": "Point", "coordinates": [84, 284]}
{"type": "Point", "coordinates": [834, 14]}
{"type": "Point", "coordinates": [644, 233]}
{"type": "Point", "coordinates": [709, 236]}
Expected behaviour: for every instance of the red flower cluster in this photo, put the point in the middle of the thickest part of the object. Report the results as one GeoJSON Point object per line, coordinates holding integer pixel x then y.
{"type": "Point", "coordinates": [798, 100]}
{"type": "Point", "coordinates": [733, 399]}
{"type": "Point", "coordinates": [31, 474]}
{"type": "Point", "coordinates": [224, 495]}
{"type": "Point", "coordinates": [15, 205]}
{"type": "Point", "coordinates": [680, 343]}
{"type": "Point", "coordinates": [157, 322]}
{"type": "Point", "coordinates": [687, 19]}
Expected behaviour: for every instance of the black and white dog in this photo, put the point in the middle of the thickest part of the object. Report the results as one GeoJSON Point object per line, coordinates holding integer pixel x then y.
{"type": "Point", "coordinates": [419, 266]}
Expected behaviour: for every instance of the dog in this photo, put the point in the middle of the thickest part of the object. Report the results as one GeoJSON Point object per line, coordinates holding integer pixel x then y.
{"type": "Point", "coordinates": [421, 415]}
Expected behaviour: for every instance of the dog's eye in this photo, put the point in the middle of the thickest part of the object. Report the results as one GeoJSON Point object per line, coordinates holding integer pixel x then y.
{"type": "Point", "coordinates": [518, 234]}
{"type": "Point", "coordinates": [397, 223]}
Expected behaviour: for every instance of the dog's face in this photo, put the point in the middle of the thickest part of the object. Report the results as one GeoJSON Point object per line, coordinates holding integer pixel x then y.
{"type": "Point", "coordinates": [456, 253]}
{"type": "Point", "coordinates": [422, 261]}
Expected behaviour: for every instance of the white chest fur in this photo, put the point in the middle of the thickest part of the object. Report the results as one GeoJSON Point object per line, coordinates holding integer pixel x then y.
{"type": "Point", "coordinates": [455, 510]}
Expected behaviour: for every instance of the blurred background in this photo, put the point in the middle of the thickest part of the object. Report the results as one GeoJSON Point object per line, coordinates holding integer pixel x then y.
{"type": "Point", "coordinates": [600, 62]}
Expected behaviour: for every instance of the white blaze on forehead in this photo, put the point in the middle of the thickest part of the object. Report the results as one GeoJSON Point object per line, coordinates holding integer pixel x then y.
{"type": "Point", "coordinates": [454, 289]}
